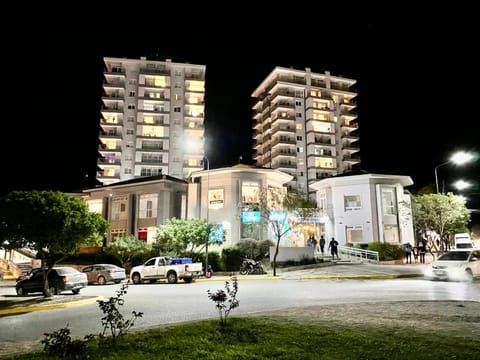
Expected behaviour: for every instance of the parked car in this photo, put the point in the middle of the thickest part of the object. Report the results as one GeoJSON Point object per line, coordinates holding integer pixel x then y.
{"type": "Point", "coordinates": [104, 273]}
{"type": "Point", "coordinates": [61, 278]}
{"type": "Point", "coordinates": [28, 274]}
{"type": "Point", "coordinates": [459, 265]}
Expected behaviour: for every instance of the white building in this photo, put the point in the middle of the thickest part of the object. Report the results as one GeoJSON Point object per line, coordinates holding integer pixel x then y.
{"type": "Point", "coordinates": [226, 191]}
{"type": "Point", "coordinates": [360, 209]}
{"type": "Point", "coordinates": [305, 125]}
{"type": "Point", "coordinates": [152, 119]}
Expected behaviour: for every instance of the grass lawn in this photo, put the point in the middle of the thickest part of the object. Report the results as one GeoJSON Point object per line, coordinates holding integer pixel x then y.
{"type": "Point", "coordinates": [280, 338]}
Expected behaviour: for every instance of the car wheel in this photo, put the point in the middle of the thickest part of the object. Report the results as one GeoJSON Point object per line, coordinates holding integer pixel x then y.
{"type": "Point", "coordinates": [75, 291]}
{"type": "Point", "coordinates": [172, 277]}
{"type": "Point", "coordinates": [188, 280]}
{"type": "Point", "coordinates": [53, 290]}
{"type": "Point", "coordinates": [101, 280]}
{"type": "Point", "coordinates": [469, 275]}
{"type": "Point", "coordinates": [21, 291]}
{"type": "Point", "coordinates": [136, 278]}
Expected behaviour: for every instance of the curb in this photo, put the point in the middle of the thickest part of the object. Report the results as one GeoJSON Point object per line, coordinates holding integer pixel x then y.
{"type": "Point", "coordinates": [318, 277]}
{"type": "Point", "coordinates": [30, 308]}
{"type": "Point", "coordinates": [359, 277]}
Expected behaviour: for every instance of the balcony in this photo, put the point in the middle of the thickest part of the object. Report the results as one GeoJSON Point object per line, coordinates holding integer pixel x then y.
{"type": "Point", "coordinates": [197, 77]}
{"type": "Point", "coordinates": [112, 162]}
{"type": "Point", "coordinates": [283, 141]}
{"type": "Point", "coordinates": [149, 146]}
{"type": "Point", "coordinates": [282, 129]}
{"type": "Point", "coordinates": [284, 165]}
{"type": "Point", "coordinates": [284, 152]}
{"type": "Point", "coordinates": [105, 148]}
{"type": "Point", "coordinates": [113, 108]}
{"type": "Point", "coordinates": [154, 70]}
{"type": "Point", "coordinates": [348, 124]}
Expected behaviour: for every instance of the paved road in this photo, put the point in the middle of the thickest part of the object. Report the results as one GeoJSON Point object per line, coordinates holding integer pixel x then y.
{"type": "Point", "coordinates": [11, 304]}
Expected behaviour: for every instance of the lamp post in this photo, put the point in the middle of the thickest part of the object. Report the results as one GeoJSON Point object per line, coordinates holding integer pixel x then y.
{"type": "Point", "coordinates": [208, 227]}
{"type": "Point", "coordinates": [459, 158]}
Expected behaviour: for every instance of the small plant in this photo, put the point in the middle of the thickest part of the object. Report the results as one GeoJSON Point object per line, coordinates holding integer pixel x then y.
{"type": "Point", "coordinates": [61, 345]}
{"type": "Point", "coordinates": [113, 320]}
{"type": "Point", "coordinates": [225, 300]}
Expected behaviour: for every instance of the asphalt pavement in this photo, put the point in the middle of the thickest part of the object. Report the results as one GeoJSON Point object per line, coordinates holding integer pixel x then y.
{"type": "Point", "coordinates": [11, 304]}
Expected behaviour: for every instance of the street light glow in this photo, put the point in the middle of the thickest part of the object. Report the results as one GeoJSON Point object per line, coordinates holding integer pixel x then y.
{"type": "Point", "coordinates": [461, 184]}
{"type": "Point", "coordinates": [458, 158]}
{"type": "Point", "coordinates": [461, 157]}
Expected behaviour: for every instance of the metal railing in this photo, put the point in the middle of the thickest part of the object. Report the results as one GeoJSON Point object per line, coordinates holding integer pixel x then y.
{"type": "Point", "coordinates": [359, 254]}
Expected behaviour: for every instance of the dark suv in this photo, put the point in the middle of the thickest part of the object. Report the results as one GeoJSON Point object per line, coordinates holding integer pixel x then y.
{"type": "Point", "coordinates": [60, 279]}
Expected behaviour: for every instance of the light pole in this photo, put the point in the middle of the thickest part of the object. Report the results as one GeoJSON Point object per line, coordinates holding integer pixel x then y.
{"type": "Point", "coordinates": [459, 158]}
{"type": "Point", "coordinates": [208, 227]}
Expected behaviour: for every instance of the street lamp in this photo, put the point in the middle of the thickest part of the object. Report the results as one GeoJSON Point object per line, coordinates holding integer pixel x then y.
{"type": "Point", "coordinates": [459, 158]}
{"type": "Point", "coordinates": [208, 227]}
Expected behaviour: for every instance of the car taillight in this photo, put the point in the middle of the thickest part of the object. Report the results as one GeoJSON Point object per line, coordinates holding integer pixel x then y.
{"type": "Point", "coordinates": [186, 267]}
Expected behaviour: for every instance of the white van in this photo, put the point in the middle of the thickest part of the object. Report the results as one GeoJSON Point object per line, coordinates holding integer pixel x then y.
{"type": "Point", "coordinates": [462, 241]}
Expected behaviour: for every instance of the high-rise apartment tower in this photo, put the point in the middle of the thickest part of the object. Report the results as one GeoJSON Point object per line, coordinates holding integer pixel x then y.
{"type": "Point", "coordinates": [304, 125]}
{"type": "Point", "coordinates": [152, 119]}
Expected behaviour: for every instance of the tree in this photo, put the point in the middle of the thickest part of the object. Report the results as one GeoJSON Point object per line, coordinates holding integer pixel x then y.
{"type": "Point", "coordinates": [445, 214]}
{"type": "Point", "coordinates": [126, 247]}
{"type": "Point", "coordinates": [182, 236]}
{"type": "Point", "coordinates": [50, 222]}
{"type": "Point", "coordinates": [280, 209]}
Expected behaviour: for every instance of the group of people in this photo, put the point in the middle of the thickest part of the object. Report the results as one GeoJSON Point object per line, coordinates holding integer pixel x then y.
{"type": "Point", "coordinates": [332, 245]}
{"type": "Point", "coordinates": [418, 251]}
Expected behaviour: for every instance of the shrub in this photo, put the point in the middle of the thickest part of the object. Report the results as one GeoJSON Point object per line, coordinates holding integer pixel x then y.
{"type": "Point", "coordinates": [113, 320]}
{"type": "Point", "coordinates": [61, 345]}
{"type": "Point", "coordinates": [231, 259]}
{"type": "Point", "coordinates": [386, 251]}
{"type": "Point", "coordinates": [225, 301]}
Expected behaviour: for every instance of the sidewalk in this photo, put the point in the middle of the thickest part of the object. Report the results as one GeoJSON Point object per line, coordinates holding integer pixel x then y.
{"type": "Point", "coordinates": [11, 304]}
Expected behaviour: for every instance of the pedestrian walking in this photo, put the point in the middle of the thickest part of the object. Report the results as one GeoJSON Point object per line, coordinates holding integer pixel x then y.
{"type": "Point", "coordinates": [408, 253]}
{"type": "Point", "coordinates": [322, 244]}
{"type": "Point", "coordinates": [422, 249]}
{"type": "Point", "coordinates": [333, 246]}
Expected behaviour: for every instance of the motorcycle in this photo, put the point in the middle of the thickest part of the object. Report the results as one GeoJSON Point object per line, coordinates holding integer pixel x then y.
{"type": "Point", "coordinates": [209, 273]}
{"type": "Point", "coordinates": [250, 266]}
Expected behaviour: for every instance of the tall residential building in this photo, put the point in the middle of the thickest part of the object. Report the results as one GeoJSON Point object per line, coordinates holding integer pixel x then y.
{"type": "Point", "coordinates": [152, 119]}
{"type": "Point", "coordinates": [304, 125]}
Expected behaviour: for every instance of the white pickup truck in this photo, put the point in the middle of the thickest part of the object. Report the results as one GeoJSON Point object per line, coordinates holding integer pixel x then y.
{"type": "Point", "coordinates": [163, 267]}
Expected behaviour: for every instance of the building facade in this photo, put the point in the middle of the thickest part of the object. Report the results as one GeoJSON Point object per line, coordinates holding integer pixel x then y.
{"type": "Point", "coordinates": [355, 209]}
{"type": "Point", "coordinates": [219, 196]}
{"type": "Point", "coordinates": [152, 119]}
{"type": "Point", "coordinates": [305, 125]}
{"type": "Point", "coordinates": [361, 209]}
{"type": "Point", "coordinates": [139, 206]}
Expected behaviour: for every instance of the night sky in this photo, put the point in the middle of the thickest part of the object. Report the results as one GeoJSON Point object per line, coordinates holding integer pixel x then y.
{"type": "Point", "coordinates": [416, 70]}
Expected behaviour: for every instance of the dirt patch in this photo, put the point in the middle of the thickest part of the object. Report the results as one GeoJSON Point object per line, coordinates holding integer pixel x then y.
{"type": "Point", "coordinates": [460, 317]}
